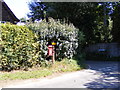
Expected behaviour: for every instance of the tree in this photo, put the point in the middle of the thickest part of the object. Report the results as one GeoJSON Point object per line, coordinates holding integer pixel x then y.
{"type": "Point", "coordinates": [116, 22]}
{"type": "Point", "coordinates": [93, 19]}
{"type": "Point", "coordinates": [82, 15]}
{"type": "Point", "coordinates": [37, 11]}
{"type": "Point", "coordinates": [103, 30]}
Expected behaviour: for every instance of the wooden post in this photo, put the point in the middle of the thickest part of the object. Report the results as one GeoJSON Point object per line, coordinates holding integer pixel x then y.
{"type": "Point", "coordinates": [53, 57]}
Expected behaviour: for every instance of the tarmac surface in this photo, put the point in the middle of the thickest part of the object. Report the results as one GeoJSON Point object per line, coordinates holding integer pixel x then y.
{"type": "Point", "coordinates": [100, 74]}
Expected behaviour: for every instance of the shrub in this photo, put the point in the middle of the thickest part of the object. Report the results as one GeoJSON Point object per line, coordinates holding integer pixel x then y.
{"type": "Point", "coordinates": [66, 36]}
{"type": "Point", "coordinates": [18, 46]}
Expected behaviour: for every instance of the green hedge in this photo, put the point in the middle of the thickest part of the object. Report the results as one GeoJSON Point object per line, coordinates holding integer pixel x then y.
{"type": "Point", "coordinates": [23, 47]}
{"type": "Point", "coordinates": [18, 47]}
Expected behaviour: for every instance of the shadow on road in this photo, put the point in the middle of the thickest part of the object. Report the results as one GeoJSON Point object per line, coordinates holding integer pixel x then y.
{"type": "Point", "coordinates": [109, 74]}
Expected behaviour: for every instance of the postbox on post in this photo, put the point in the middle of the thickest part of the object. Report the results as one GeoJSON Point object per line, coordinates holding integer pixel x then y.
{"type": "Point", "coordinates": [50, 50]}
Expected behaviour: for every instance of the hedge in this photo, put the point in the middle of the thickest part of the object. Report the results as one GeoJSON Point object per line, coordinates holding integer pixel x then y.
{"type": "Point", "coordinates": [65, 35]}
{"type": "Point", "coordinates": [18, 47]}
{"type": "Point", "coordinates": [22, 47]}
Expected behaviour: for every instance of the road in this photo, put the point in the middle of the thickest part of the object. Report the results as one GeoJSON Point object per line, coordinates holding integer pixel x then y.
{"type": "Point", "coordinates": [101, 74]}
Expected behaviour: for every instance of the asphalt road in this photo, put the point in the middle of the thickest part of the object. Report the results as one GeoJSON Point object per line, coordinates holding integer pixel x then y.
{"type": "Point", "coordinates": [101, 74]}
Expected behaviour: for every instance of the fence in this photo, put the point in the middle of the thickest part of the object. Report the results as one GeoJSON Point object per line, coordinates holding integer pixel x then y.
{"type": "Point", "coordinates": [112, 49]}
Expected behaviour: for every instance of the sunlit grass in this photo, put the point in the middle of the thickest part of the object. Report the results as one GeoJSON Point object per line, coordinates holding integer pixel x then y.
{"type": "Point", "coordinates": [25, 74]}
{"type": "Point", "coordinates": [59, 67]}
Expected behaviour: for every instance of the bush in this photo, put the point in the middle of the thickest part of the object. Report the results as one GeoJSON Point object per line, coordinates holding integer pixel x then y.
{"type": "Point", "coordinates": [66, 36]}
{"type": "Point", "coordinates": [18, 46]}
{"type": "Point", "coordinates": [22, 47]}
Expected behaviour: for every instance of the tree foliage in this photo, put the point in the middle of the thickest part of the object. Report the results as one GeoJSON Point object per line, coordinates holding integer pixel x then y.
{"type": "Point", "coordinates": [104, 23]}
{"type": "Point", "coordinates": [37, 10]}
{"type": "Point", "coordinates": [92, 18]}
{"type": "Point", "coordinates": [116, 22]}
{"type": "Point", "coordinates": [82, 15]}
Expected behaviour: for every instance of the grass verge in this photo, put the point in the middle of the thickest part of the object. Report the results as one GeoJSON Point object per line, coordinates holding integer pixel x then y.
{"type": "Point", "coordinates": [62, 66]}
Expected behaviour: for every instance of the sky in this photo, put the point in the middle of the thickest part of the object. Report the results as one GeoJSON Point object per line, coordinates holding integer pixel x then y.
{"type": "Point", "coordinates": [19, 7]}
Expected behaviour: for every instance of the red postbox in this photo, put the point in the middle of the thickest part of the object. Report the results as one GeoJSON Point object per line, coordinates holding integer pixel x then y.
{"type": "Point", "coordinates": [50, 50]}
